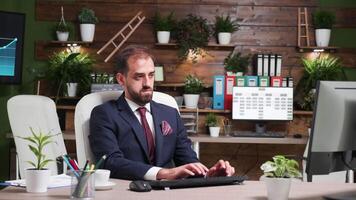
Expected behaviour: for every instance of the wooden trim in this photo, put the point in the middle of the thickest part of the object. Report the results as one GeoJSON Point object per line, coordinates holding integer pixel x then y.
{"type": "Point", "coordinates": [248, 140]}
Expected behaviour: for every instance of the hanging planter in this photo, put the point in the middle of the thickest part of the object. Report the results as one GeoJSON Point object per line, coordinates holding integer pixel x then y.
{"type": "Point", "coordinates": [62, 29]}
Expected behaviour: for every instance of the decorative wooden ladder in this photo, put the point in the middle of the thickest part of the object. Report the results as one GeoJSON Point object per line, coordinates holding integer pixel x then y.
{"type": "Point", "coordinates": [303, 22]}
{"type": "Point", "coordinates": [129, 26]}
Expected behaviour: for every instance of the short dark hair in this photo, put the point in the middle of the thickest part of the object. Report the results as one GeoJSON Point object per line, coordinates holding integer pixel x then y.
{"type": "Point", "coordinates": [131, 51]}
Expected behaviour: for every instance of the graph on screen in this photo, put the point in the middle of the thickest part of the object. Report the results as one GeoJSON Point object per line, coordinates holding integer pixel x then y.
{"type": "Point", "coordinates": [7, 56]}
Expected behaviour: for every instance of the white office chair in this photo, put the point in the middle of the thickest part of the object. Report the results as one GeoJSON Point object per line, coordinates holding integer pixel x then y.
{"type": "Point", "coordinates": [38, 112]}
{"type": "Point", "coordinates": [334, 177]}
{"type": "Point", "coordinates": [82, 117]}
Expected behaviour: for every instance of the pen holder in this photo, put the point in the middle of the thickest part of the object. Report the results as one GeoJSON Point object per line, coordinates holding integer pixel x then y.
{"type": "Point", "coordinates": [82, 185]}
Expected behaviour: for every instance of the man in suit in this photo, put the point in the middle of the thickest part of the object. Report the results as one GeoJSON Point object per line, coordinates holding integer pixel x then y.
{"type": "Point", "coordinates": [144, 139]}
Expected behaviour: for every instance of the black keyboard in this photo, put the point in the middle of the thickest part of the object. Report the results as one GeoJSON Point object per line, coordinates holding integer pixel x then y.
{"type": "Point", "coordinates": [254, 134]}
{"type": "Point", "coordinates": [197, 182]}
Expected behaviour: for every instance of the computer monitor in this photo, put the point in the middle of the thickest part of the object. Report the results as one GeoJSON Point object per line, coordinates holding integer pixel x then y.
{"type": "Point", "coordinates": [262, 104]}
{"type": "Point", "coordinates": [332, 142]}
{"type": "Point", "coordinates": [11, 47]}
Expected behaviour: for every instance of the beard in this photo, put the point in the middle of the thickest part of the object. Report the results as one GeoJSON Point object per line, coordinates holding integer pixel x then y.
{"type": "Point", "coordinates": [142, 97]}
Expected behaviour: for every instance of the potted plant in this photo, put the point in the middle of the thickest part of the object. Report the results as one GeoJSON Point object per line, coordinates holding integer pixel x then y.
{"type": "Point", "coordinates": [163, 27]}
{"type": "Point", "coordinates": [192, 33]}
{"type": "Point", "coordinates": [212, 122]}
{"type": "Point", "coordinates": [321, 68]}
{"type": "Point", "coordinates": [235, 64]}
{"type": "Point", "coordinates": [323, 22]}
{"type": "Point", "coordinates": [87, 20]}
{"type": "Point", "coordinates": [224, 27]}
{"type": "Point", "coordinates": [278, 174]}
{"type": "Point", "coordinates": [37, 178]}
{"type": "Point", "coordinates": [70, 69]}
{"type": "Point", "coordinates": [193, 86]}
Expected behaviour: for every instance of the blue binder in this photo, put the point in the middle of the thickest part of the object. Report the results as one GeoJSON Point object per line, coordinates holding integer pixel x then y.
{"type": "Point", "coordinates": [218, 93]}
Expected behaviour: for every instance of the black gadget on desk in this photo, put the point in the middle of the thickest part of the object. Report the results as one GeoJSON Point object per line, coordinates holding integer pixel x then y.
{"type": "Point", "coordinates": [142, 186]}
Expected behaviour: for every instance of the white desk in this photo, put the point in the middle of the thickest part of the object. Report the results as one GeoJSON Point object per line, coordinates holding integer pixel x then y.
{"type": "Point", "coordinates": [250, 190]}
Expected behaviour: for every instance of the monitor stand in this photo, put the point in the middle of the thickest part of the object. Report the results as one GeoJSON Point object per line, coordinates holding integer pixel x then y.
{"type": "Point", "coordinates": [260, 128]}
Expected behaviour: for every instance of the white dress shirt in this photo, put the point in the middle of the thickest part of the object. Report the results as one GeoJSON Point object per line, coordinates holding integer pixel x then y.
{"type": "Point", "coordinates": [151, 174]}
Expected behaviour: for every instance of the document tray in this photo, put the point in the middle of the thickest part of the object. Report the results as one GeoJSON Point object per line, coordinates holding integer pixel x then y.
{"type": "Point", "coordinates": [197, 182]}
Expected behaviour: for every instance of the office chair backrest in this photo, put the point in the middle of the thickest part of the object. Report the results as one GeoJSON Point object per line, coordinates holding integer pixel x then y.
{"type": "Point", "coordinates": [38, 112]}
{"type": "Point", "coordinates": [82, 117]}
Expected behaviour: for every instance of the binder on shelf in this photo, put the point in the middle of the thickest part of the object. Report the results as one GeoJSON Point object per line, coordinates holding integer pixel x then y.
{"type": "Point", "coordinates": [265, 65]}
{"type": "Point", "coordinates": [272, 65]}
{"type": "Point", "coordinates": [263, 81]}
{"type": "Point", "coordinates": [276, 81]}
{"type": "Point", "coordinates": [290, 81]}
{"type": "Point", "coordinates": [259, 65]}
{"type": "Point", "coordinates": [218, 93]}
{"type": "Point", "coordinates": [240, 81]}
{"type": "Point", "coordinates": [284, 82]}
{"type": "Point", "coordinates": [251, 81]}
{"type": "Point", "coordinates": [278, 65]}
{"type": "Point", "coordinates": [229, 84]}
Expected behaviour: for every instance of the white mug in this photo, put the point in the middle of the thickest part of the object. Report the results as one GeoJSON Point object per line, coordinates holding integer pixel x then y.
{"type": "Point", "coordinates": [102, 176]}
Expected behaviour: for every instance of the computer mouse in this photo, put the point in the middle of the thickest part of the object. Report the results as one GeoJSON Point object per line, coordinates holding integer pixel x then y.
{"type": "Point", "coordinates": [140, 186]}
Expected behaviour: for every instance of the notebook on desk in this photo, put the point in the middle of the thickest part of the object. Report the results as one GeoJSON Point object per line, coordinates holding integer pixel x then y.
{"type": "Point", "coordinates": [197, 182]}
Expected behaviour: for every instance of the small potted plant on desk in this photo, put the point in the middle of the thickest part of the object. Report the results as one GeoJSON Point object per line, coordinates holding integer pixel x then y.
{"type": "Point", "coordinates": [163, 27]}
{"type": "Point", "coordinates": [212, 122]}
{"type": "Point", "coordinates": [323, 22]}
{"type": "Point", "coordinates": [224, 27]}
{"type": "Point", "coordinates": [278, 175]}
{"type": "Point", "coordinates": [87, 20]}
{"type": "Point", "coordinates": [193, 86]}
{"type": "Point", "coordinates": [37, 178]}
{"type": "Point", "coordinates": [235, 64]}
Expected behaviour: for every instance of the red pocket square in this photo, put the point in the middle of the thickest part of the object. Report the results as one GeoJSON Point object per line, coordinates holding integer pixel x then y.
{"type": "Point", "coordinates": [166, 128]}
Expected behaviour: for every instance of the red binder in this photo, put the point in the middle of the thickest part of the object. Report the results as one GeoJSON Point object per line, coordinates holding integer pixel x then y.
{"type": "Point", "coordinates": [229, 84]}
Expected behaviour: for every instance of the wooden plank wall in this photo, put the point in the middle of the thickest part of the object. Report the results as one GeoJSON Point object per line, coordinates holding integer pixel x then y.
{"type": "Point", "coordinates": [267, 26]}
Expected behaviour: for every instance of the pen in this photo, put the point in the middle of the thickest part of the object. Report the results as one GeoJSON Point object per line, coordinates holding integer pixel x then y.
{"type": "Point", "coordinates": [10, 184]}
{"type": "Point", "coordinates": [70, 166]}
{"type": "Point", "coordinates": [100, 162]}
{"type": "Point", "coordinates": [86, 164]}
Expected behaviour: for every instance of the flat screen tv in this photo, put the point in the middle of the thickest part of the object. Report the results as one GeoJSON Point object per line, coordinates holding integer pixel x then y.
{"type": "Point", "coordinates": [12, 27]}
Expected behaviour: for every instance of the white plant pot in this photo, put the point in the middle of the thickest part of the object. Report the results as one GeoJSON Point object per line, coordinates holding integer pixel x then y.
{"type": "Point", "coordinates": [163, 37]}
{"type": "Point", "coordinates": [37, 180]}
{"type": "Point", "coordinates": [277, 188]}
{"type": "Point", "coordinates": [191, 100]}
{"type": "Point", "coordinates": [214, 131]}
{"type": "Point", "coordinates": [72, 89]}
{"type": "Point", "coordinates": [87, 32]}
{"type": "Point", "coordinates": [322, 37]}
{"type": "Point", "coordinates": [62, 36]}
{"type": "Point", "coordinates": [224, 38]}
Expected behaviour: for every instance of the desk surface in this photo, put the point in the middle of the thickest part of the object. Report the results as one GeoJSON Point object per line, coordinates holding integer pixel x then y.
{"type": "Point", "coordinates": [249, 190]}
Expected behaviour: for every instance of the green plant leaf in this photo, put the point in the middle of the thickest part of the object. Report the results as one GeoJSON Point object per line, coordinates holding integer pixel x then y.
{"type": "Point", "coordinates": [44, 163]}
{"type": "Point", "coordinates": [31, 163]}
{"type": "Point", "coordinates": [34, 150]}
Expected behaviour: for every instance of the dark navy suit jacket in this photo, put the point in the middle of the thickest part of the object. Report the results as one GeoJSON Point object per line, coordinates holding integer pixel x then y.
{"type": "Point", "coordinates": [116, 132]}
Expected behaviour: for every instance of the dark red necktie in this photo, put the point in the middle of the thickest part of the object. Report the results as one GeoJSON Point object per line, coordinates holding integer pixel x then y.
{"type": "Point", "coordinates": [148, 134]}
